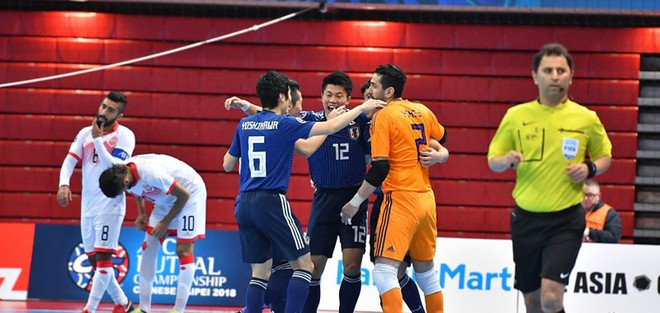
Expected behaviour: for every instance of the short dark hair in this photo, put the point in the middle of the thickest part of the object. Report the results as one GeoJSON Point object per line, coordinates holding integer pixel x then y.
{"type": "Point", "coordinates": [392, 76]}
{"type": "Point", "coordinates": [338, 78]}
{"type": "Point", "coordinates": [111, 180]}
{"type": "Point", "coordinates": [365, 86]}
{"type": "Point", "coordinates": [293, 85]}
{"type": "Point", "coordinates": [269, 88]}
{"type": "Point", "coordinates": [118, 97]}
{"type": "Point", "coordinates": [552, 49]}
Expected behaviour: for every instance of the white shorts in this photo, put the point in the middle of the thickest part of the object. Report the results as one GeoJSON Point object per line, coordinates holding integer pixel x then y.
{"type": "Point", "coordinates": [190, 224]}
{"type": "Point", "coordinates": [100, 233]}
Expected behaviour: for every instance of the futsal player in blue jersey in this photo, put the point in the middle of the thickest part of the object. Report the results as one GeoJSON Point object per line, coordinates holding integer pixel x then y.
{"type": "Point", "coordinates": [337, 169]}
{"type": "Point", "coordinates": [264, 143]}
{"type": "Point", "coordinates": [281, 271]}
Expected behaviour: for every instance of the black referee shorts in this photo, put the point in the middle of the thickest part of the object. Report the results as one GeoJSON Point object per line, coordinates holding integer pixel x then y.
{"type": "Point", "coordinates": [545, 245]}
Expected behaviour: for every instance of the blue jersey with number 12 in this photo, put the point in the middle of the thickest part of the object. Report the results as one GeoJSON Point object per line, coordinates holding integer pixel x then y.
{"type": "Point", "coordinates": [340, 161]}
{"type": "Point", "coordinates": [264, 143]}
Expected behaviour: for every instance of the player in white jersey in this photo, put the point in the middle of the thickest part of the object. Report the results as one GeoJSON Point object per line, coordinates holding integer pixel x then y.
{"type": "Point", "coordinates": [179, 197]}
{"type": "Point", "coordinates": [98, 147]}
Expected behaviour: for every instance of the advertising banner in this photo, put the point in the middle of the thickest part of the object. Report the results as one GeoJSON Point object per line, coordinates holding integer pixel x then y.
{"type": "Point", "coordinates": [477, 276]}
{"type": "Point", "coordinates": [16, 247]}
{"type": "Point", "coordinates": [220, 277]}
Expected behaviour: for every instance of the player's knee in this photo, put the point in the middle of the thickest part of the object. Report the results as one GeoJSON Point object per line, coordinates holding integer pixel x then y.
{"type": "Point", "coordinates": [401, 274]}
{"type": "Point", "coordinates": [403, 267]}
{"type": "Point", "coordinates": [428, 281]}
{"type": "Point", "coordinates": [103, 256]}
{"type": "Point", "coordinates": [319, 262]}
{"type": "Point", "coordinates": [304, 263]}
{"type": "Point", "coordinates": [184, 249]}
{"type": "Point", "coordinates": [385, 277]}
{"type": "Point", "coordinates": [352, 268]}
{"type": "Point", "coordinates": [533, 301]}
{"type": "Point", "coordinates": [551, 302]}
{"type": "Point", "coordinates": [261, 271]}
{"type": "Point", "coordinates": [423, 266]}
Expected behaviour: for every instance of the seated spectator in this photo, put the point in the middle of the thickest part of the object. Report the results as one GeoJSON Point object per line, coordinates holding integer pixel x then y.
{"type": "Point", "coordinates": [603, 222]}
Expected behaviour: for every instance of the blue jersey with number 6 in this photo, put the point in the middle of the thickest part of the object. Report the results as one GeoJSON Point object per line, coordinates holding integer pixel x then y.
{"type": "Point", "coordinates": [264, 143]}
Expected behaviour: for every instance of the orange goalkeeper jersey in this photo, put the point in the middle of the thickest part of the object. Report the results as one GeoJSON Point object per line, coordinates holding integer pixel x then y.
{"type": "Point", "coordinates": [399, 132]}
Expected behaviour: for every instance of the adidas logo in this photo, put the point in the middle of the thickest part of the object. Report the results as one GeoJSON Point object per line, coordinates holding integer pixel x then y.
{"type": "Point", "coordinates": [390, 249]}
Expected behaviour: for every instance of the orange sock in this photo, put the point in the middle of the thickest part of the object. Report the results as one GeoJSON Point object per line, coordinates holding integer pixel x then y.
{"type": "Point", "coordinates": [392, 301]}
{"type": "Point", "coordinates": [434, 302]}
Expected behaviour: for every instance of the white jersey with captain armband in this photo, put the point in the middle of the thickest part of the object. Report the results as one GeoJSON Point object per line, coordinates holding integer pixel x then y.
{"type": "Point", "coordinates": [120, 143]}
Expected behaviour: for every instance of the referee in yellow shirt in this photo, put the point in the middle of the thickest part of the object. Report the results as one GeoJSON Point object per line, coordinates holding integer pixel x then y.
{"type": "Point", "coordinates": [546, 142]}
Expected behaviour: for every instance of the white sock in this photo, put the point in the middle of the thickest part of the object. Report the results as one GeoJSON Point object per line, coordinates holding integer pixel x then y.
{"type": "Point", "coordinates": [115, 292]}
{"type": "Point", "coordinates": [151, 247]}
{"type": "Point", "coordinates": [186, 275]}
{"type": "Point", "coordinates": [101, 280]}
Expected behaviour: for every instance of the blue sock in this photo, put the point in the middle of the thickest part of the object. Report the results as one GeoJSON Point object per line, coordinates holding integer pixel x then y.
{"type": "Point", "coordinates": [349, 292]}
{"type": "Point", "coordinates": [254, 298]}
{"type": "Point", "coordinates": [314, 296]}
{"type": "Point", "coordinates": [297, 291]}
{"type": "Point", "coordinates": [277, 286]}
{"type": "Point", "coordinates": [411, 294]}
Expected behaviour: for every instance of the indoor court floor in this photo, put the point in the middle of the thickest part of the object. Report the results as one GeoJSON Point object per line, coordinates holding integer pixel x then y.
{"type": "Point", "coordinates": [35, 306]}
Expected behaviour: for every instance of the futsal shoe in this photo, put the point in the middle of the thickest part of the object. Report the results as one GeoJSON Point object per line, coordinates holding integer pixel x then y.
{"type": "Point", "coordinates": [244, 309]}
{"type": "Point", "coordinates": [127, 308]}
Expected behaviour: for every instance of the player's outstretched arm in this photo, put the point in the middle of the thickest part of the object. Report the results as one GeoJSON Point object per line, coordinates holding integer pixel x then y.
{"type": "Point", "coordinates": [334, 125]}
{"type": "Point", "coordinates": [238, 103]}
{"type": "Point", "coordinates": [306, 147]}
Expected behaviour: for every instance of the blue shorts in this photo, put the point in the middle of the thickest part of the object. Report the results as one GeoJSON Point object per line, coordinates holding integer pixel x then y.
{"type": "Point", "coordinates": [267, 227]}
{"type": "Point", "coordinates": [325, 222]}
